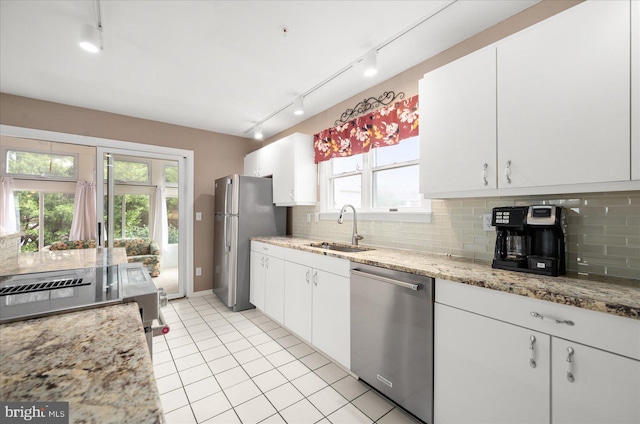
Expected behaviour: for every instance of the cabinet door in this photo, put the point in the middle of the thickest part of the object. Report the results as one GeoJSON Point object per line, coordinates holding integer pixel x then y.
{"type": "Point", "coordinates": [256, 283]}
{"type": "Point", "coordinates": [331, 316]}
{"type": "Point", "coordinates": [458, 133]}
{"type": "Point", "coordinates": [483, 373]}
{"type": "Point", "coordinates": [274, 291]}
{"type": "Point", "coordinates": [268, 160]}
{"type": "Point", "coordinates": [283, 178]}
{"type": "Point", "coordinates": [605, 387]}
{"type": "Point", "coordinates": [294, 179]}
{"type": "Point", "coordinates": [563, 99]}
{"type": "Point", "coordinates": [297, 299]}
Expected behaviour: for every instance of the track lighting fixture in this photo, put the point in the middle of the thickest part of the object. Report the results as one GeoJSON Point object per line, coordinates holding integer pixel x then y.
{"type": "Point", "coordinates": [370, 63]}
{"type": "Point", "coordinates": [90, 36]}
{"type": "Point", "coordinates": [298, 106]}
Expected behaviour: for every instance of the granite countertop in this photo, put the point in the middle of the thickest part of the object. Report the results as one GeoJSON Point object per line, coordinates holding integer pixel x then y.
{"type": "Point", "coordinates": [97, 360]}
{"type": "Point", "coordinates": [57, 260]}
{"type": "Point", "coordinates": [610, 295]}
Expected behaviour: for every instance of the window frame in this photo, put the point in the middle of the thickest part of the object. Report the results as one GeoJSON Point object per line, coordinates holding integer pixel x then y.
{"type": "Point", "coordinates": [132, 183]}
{"type": "Point", "coordinates": [368, 212]}
{"type": "Point", "coordinates": [5, 164]}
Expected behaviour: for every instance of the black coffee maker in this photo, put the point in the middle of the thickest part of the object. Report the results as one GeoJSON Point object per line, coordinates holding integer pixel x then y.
{"type": "Point", "coordinates": [530, 239]}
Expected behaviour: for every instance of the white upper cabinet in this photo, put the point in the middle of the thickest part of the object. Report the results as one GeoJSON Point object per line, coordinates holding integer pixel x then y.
{"type": "Point", "coordinates": [291, 164]}
{"type": "Point", "coordinates": [563, 98]}
{"type": "Point", "coordinates": [458, 133]}
{"type": "Point", "coordinates": [551, 109]}
{"type": "Point", "coordinates": [295, 173]}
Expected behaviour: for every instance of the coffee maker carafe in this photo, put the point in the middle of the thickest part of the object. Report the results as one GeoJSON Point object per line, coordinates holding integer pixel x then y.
{"type": "Point", "coordinates": [530, 239]}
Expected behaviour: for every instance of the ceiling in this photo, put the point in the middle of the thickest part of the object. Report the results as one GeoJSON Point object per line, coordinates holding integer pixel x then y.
{"type": "Point", "coordinates": [225, 66]}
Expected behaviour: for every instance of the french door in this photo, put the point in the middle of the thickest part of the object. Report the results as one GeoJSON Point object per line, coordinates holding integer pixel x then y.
{"type": "Point", "coordinates": [141, 195]}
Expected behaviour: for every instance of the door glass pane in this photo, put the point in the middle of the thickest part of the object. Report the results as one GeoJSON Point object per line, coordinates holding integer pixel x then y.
{"type": "Point", "coordinates": [348, 164]}
{"type": "Point", "coordinates": [172, 219]}
{"type": "Point", "coordinates": [129, 171]}
{"type": "Point", "coordinates": [347, 190]}
{"type": "Point", "coordinates": [137, 215]}
{"type": "Point", "coordinates": [407, 150]}
{"type": "Point", "coordinates": [397, 187]}
{"type": "Point", "coordinates": [58, 215]}
{"type": "Point", "coordinates": [28, 204]}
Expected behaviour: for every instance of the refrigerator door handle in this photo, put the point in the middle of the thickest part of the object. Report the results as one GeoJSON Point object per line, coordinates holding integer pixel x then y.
{"type": "Point", "coordinates": [227, 234]}
{"type": "Point", "coordinates": [228, 198]}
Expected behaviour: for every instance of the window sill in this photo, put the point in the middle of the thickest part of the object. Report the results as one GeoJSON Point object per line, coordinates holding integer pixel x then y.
{"type": "Point", "coordinates": [422, 216]}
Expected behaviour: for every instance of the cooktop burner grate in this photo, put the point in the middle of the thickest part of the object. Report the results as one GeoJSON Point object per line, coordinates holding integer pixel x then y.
{"type": "Point", "coordinates": [42, 286]}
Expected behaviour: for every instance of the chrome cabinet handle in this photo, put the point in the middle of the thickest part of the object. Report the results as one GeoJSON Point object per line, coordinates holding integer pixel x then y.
{"type": "Point", "coordinates": [315, 278]}
{"type": "Point", "coordinates": [262, 262]}
{"type": "Point", "coordinates": [532, 352]}
{"type": "Point", "coordinates": [557, 321]}
{"type": "Point", "coordinates": [484, 174]}
{"type": "Point", "coordinates": [308, 272]}
{"type": "Point", "coordinates": [570, 353]}
{"type": "Point", "coordinates": [291, 194]}
{"type": "Point", "coordinates": [507, 172]}
{"type": "Point", "coordinates": [266, 263]}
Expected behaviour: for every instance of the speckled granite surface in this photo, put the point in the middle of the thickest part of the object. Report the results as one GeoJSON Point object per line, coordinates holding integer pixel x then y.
{"type": "Point", "coordinates": [613, 296]}
{"type": "Point", "coordinates": [64, 259]}
{"type": "Point", "coordinates": [97, 360]}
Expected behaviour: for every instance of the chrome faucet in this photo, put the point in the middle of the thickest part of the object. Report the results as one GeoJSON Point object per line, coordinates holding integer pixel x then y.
{"type": "Point", "coordinates": [355, 236]}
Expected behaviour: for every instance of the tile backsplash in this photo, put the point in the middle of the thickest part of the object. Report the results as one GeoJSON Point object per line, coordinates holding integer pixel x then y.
{"type": "Point", "coordinates": [603, 230]}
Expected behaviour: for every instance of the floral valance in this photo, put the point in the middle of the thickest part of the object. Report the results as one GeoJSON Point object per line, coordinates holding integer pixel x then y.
{"type": "Point", "coordinates": [384, 127]}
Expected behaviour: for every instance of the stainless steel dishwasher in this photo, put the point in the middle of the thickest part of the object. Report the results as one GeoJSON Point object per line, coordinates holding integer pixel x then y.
{"type": "Point", "coordinates": [392, 335]}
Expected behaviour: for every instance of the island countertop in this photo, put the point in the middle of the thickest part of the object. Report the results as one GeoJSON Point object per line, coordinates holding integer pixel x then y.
{"type": "Point", "coordinates": [56, 260]}
{"type": "Point", "coordinates": [97, 360]}
{"type": "Point", "coordinates": [610, 295]}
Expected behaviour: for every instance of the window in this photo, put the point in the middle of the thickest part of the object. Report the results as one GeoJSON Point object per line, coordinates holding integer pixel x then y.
{"type": "Point", "coordinates": [44, 218]}
{"type": "Point", "coordinates": [383, 181]}
{"type": "Point", "coordinates": [129, 172]}
{"type": "Point", "coordinates": [40, 165]}
{"type": "Point", "coordinates": [171, 175]}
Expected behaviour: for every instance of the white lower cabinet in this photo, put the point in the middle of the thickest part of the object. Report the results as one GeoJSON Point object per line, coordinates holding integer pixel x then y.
{"type": "Point", "coordinates": [483, 369]}
{"type": "Point", "coordinates": [483, 373]}
{"type": "Point", "coordinates": [602, 387]}
{"type": "Point", "coordinates": [266, 289]}
{"type": "Point", "coordinates": [317, 302]}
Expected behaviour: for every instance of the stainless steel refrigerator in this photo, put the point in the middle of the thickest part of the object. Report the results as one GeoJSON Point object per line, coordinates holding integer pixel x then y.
{"type": "Point", "coordinates": [243, 208]}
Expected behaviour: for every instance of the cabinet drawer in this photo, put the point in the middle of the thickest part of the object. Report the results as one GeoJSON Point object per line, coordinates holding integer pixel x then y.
{"type": "Point", "coordinates": [604, 331]}
{"type": "Point", "coordinates": [268, 249]}
{"type": "Point", "coordinates": [325, 263]}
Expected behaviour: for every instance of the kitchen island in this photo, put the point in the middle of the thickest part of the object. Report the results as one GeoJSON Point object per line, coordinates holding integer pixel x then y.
{"type": "Point", "coordinates": [604, 294]}
{"type": "Point", "coordinates": [96, 359]}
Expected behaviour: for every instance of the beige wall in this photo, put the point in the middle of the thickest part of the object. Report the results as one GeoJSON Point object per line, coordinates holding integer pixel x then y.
{"type": "Point", "coordinates": [216, 155]}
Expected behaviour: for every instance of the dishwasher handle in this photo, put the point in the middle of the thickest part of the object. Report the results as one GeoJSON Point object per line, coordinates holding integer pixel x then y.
{"type": "Point", "coordinates": [410, 286]}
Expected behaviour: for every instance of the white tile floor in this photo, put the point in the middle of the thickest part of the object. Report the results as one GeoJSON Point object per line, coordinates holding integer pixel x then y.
{"type": "Point", "coordinates": [218, 366]}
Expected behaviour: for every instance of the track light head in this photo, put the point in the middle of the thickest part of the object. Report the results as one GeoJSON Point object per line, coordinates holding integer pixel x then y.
{"type": "Point", "coordinates": [91, 38]}
{"type": "Point", "coordinates": [257, 132]}
{"type": "Point", "coordinates": [298, 106]}
{"type": "Point", "coordinates": [370, 63]}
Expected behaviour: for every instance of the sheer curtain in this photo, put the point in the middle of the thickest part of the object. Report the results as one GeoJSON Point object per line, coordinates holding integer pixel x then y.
{"type": "Point", "coordinates": [83, 226]}
{"type": "Point", "coordinates": [160, 229]}
{"type": "Point", "coordinates": [8, 219]}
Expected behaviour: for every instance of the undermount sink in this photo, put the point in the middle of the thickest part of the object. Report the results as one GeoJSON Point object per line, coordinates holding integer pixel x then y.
{"type": "Point", "coordinates": [350, 248]}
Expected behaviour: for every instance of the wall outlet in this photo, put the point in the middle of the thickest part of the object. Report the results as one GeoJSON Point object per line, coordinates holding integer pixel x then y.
{"type": "Point", "coordinates": [486, 222]}
{"type": "Point", "coordinates": [198, 271]}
